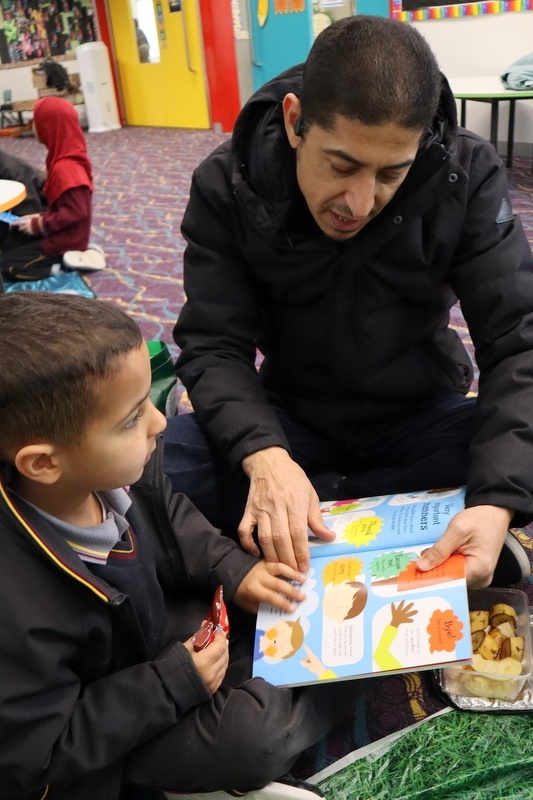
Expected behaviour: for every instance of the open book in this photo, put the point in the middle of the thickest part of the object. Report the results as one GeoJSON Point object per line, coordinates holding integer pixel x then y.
{"type": "Point", "coordinates": [368, 609]}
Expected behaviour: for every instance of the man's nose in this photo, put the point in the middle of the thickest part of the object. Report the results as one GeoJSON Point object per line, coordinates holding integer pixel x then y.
{"type": "Point", "coordinates": [360, 195]}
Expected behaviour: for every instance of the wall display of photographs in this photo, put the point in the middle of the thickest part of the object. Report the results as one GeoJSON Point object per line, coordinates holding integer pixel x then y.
{"type": "Point", "coordinates": [31, 31]}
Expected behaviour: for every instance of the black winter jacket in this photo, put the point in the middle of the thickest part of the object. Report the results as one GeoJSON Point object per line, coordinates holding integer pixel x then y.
{"type": "Point", "coordinates": [77, 690]}
{"type": "Point", "coordinates": [16, 169]}
{"type": "Point", "coordinates": [355, 335]}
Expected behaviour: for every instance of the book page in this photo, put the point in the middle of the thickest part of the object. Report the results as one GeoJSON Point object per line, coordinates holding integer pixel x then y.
{"type": "Point", "coordinates": [366, 613]}
{"type": "Point", "coordinates": [372, 523]}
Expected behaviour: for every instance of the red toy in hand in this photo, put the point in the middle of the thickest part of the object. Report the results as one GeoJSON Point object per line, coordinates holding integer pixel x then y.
{"type": "Point", "coordinates": [217, 621]}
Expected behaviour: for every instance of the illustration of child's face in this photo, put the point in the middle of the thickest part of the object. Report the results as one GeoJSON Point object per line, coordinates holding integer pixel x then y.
{"type": "Point", "coordinates": [344, 601]}
{"type": "Point", "coordinates": [277, 641]}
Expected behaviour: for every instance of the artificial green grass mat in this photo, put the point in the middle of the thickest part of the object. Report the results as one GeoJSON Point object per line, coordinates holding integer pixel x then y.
{"type": "Point", "coordinates": [457, 756]}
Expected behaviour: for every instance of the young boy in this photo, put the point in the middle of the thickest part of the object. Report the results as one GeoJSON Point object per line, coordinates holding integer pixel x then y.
{"type": "Point", "coordinates": [101, 588]}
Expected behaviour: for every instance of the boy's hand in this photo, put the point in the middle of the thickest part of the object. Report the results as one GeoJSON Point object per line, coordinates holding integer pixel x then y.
{"type": "Point", "coordinates": [212, 661]}
{"type": "Point", "coordinates": [265, 584]}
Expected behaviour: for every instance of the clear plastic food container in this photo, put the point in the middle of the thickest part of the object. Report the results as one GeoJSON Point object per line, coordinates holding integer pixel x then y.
{"type": "Point", "coordinates": [495, 675]}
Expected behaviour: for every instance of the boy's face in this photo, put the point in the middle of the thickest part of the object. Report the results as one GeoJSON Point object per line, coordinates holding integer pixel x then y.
{"type": "Point", "coordinates": [121, 438]}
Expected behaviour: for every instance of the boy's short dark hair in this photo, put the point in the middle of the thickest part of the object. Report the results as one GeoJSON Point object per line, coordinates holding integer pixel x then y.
{"type": "Point", "coordinates": [373, 70]}
{"type": "Point", "coordinates": [54, 351]}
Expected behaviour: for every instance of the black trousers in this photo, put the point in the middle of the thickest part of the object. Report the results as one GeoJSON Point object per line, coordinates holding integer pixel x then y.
{"type": "Point", "coordinates": [27, 262]}
{"type": "Point", "coordinates": [248, 734]}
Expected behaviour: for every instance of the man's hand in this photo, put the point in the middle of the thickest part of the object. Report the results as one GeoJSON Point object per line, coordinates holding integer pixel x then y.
{"type": "Point", "coordinates": [212, 661]}
{"type": "Point", "coordinates": [265, 584]}
{"type": "Point", "coordinates": [478, 533]}
{"type": "Point", "coordinates": [282, 504]}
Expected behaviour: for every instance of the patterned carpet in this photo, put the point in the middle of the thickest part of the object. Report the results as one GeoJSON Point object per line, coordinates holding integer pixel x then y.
{"type": "Point", "coordinates": [141, 178]}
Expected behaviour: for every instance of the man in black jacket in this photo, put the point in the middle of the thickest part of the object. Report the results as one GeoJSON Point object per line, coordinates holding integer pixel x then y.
{"type": "Point", "coordinates": [334, 232]}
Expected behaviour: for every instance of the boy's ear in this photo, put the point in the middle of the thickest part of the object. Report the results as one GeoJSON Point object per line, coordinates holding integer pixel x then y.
{"type": "Point", "coordinates": [38, 462]}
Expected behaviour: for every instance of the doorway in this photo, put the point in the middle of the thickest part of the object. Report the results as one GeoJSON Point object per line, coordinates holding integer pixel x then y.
{"type": "Point", "coordinates": [160, 63]}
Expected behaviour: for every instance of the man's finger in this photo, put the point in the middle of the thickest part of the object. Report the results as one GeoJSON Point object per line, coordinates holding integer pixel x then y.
{"type": "Point", "coordinates": [436, 555]}
{"type": "Point", "coordinates": [318, 527]}
{"type": "Point", "coordinates": [245, 530]}
{"type": "Point", "coordinates": [275, 541]}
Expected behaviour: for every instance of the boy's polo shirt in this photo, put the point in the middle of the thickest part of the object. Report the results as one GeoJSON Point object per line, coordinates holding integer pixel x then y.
{"type": "Point", "coordinates": [94, 543]}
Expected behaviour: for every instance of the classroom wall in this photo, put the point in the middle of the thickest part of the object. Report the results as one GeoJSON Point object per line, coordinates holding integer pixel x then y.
{"type": "Point", "coordinates": [19, 81]}
{"type": "Point", "coordinates": [480, 45]}
{"type": "Point", "coordinates": [485, 45]}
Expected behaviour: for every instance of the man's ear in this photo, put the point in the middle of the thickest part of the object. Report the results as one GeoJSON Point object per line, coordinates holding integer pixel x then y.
{"type": "Point", "coordinates": [292, 113]}
{"type": "Point", "coordinates": [38, 462]}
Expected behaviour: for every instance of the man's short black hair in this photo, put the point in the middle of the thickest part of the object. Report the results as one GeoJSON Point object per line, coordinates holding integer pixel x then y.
{"type": "Point", "coordinates": [370, 69]}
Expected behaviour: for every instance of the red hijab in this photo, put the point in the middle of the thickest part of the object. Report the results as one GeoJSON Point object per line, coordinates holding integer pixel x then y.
{"type": "Point", "coordinates": [67, 163]}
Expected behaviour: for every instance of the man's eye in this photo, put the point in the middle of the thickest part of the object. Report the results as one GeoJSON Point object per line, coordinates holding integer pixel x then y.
{"type": "Point", "coordinates": [389, 177]}
{"type": "Point", "coordinates": [341, 170]}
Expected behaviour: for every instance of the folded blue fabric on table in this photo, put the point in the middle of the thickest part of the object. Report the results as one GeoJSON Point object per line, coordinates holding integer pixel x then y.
{"type": "Point", "coordinates": [519, 75]}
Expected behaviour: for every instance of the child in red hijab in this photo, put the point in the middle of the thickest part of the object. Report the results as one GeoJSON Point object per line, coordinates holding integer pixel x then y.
{"type": "Point", "coordinates": [60, 234]}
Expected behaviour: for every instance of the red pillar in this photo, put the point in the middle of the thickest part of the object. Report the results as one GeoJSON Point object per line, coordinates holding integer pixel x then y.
{"type": "Point", "coordinates": [220, 62]}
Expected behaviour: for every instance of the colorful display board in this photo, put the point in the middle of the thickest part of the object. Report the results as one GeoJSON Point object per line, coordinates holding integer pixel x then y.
{"type": "Point", "coordinates": [453, 10]}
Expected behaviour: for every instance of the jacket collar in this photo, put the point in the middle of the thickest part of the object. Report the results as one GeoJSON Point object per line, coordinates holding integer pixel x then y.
{"type": "Point", "coordinates": [41, 534]}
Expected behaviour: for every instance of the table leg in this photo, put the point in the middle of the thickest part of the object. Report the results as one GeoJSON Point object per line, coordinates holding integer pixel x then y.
{"type": "Point", "coordinates": [510, 133]}
{"type": "Point", "coordinates": [494, 123]}
{"type": "Point", "coordinates": [463, 113]}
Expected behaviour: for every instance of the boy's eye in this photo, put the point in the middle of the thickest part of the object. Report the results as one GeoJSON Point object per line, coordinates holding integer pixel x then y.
{"type": "Point", "coordinates": [134, 420]}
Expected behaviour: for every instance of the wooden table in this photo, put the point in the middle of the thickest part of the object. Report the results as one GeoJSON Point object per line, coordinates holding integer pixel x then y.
{"type": "Point", "coordinates": [11, 194]}
{"type": "Point", "coordinates": [14, 110]}
{"type": "Point", "coordinates": [489, 89]}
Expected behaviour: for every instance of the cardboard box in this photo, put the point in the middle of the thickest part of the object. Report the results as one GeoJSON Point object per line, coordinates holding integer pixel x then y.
{"type": "Point", "coordinates": [38, 78]}
{"type": "Point", "coordinates": [39, 81]}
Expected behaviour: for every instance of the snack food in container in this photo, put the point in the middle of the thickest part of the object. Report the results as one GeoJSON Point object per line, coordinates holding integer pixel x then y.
{"type": "Point", "coordinates": [501, 636]}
